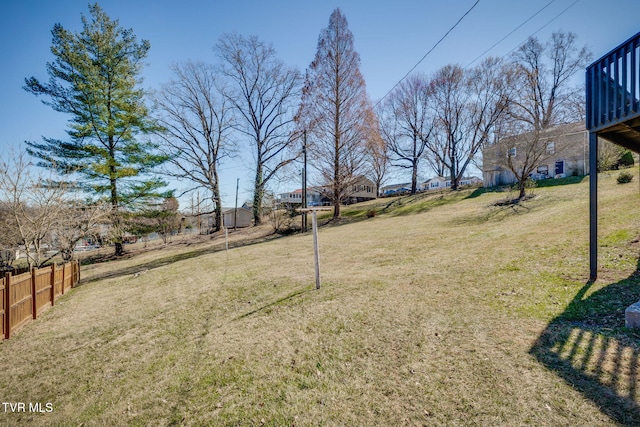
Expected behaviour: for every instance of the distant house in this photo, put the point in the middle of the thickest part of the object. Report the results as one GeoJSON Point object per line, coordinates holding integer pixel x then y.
{"type": "Point", "coordinates": [433, 184]}
{"type": "Point", "coordinates": [442, 183]}
{"type": "Point", "coordinates": [360, 190]}
{"type": "Point", "coordinates": [240, 217]}
{"type": "Point", "coordinates": [566, 154]}
{"type": "Point", "coordinates": [294, 198]}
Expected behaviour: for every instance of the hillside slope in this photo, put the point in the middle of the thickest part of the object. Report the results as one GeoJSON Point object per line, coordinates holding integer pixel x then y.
{"type": "Point", "coordinates": [441, 310]}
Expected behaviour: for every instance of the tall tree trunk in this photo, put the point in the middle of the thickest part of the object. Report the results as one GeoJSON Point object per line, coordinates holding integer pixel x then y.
{"type": "Point", "coordinates": [217, 201]}
{"type": "Point", "coordinates": [337, 182]}
{"type": "Point", "coordinates": [258, 194]}
{"type": "Point", "coordinates": [414, 177]}
{"type": "Point", "coordinates": [117, 225]}
{"type": "Point", "coordinates": [454, 171]}
{"type": "Point", "coordinates": [522, 187]}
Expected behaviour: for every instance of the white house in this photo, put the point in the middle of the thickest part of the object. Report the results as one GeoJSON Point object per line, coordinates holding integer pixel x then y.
{"type": "Point", "coordinates": [442, 183]}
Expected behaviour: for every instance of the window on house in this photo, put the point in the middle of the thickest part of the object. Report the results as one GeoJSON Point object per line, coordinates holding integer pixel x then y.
{"type": "Point", "coordinates": [543, 170]}
{"type": "Point", "coordinates": [434, 185]}
{"type": "Point", "coordinates": [511, 152]}
{"type": "Point", "coordinates": [551, 148]}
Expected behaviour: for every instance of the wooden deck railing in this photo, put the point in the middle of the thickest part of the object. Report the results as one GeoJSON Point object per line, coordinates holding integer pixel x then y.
{"type": "Point", "coordinates": [613, 86]}
{"type": "Point", "coordinates": [25, 296]}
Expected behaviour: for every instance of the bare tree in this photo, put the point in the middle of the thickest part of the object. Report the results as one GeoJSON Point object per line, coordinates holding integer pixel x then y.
{"type": "Point", "coordinates": [609, 155]}
{"type": "Point", "coordinates": [9, 239]}
{"type": "Point", "coordinates": [449, 100]}
{"type": "Point", "coordinates": [334, 110]}
{"type": "Point", "coordinates": [78, 219]}
{"type": "Point", "coordinates": [161, 217]}
{"type": "Point", "coordinates": [263, 91]}
{"type": "Point", "coordinates": [377, 157]}
{"type": "Point", "coordinates": [33, 204]}
{"type": "Point", "coordinates": [196, 120]}
{"type": "Point", "coordinates": [165, 218]}
{"type": "Point", "coordinates": [544, 99]}
{"type": "Point", "coordinates": [468, 106]}
{"type": "Point", "coordinates": [407, 123]}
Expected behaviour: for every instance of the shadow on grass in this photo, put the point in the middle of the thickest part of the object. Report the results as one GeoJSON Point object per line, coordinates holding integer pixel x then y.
{"type": "Point", "coordinates": [561, 181]}
{"type": "Point", "coordinates": [543, 183]}
{"type": "Point", "coordinates": [161, 262]}
{"type": "Point", "coordinates": [406, 205]}
{"type": "Point", "coordinates": [591, 350]}
{"type": "Point", "coordinates": [266, 307]}
{"type": "Point", "coordinates": [479, 192]}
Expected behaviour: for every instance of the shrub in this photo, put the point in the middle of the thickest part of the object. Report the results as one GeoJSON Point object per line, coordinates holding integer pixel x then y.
{"type": "Point", "coordinates": [626, 159]}
{"type": "Point", "coordinates": [624, 177]}
{"type": "Point", "coordinates": [371, 213]}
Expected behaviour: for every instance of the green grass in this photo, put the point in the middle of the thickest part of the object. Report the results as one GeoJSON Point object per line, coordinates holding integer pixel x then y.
{"type": "Point", "coordinates": [443, 309]}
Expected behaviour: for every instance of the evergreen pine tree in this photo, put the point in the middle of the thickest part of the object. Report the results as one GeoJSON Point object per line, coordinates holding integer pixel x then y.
{"type": "Point", "coordinates": [95, 78]}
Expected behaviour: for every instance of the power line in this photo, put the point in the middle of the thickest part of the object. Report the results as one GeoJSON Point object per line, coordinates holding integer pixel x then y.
{"type": "Point", "coordinates": [512, 31]}
{"type": "Point", "coordinates": [541, 28]}
{"type": "Point", "coordinates": [494, 45]}
{"type": "Point", "coordinates": [430, 50]}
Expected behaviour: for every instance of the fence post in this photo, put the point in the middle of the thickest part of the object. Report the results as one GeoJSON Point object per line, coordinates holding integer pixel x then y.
{"type": "Point", "coordinates": [34, 304]}
{"type": "Point", "coordinates": [7, 305]}
{"type": "Point", "coordinates": [77, 276]}
{"type": "Point", "coordinates": [62, 278]}
{"type": "Point", "coordinates": [53, 284]}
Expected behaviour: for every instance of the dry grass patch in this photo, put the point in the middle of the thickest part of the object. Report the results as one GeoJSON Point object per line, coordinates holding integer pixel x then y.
{"type": "Point", "coordinates": [459, 314]}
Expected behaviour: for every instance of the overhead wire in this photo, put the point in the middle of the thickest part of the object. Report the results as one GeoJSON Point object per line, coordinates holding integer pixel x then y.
{"type": "Point", "coordinates": [494, 45]}
{"type": "Point", "coordinates": [541, 28]}
{"type": "Point", "coordinates": [430, 50]}
{"type": "Point", "coordinates": [511, 32]}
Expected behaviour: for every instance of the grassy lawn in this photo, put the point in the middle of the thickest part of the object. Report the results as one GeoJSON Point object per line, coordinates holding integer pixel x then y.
{"type": "Point", "coordinates": [442, 310]}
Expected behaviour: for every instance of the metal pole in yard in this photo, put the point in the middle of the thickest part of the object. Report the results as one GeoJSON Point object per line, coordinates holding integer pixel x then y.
{"type": "Point", "coordinates": [235, 210]}
{"type": "Point", "coordinates": [304, 184]}
{"type": "Point", "coordinates": [316, 251]}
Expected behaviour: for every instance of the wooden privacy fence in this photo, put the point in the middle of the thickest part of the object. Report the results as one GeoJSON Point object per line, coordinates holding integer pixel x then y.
{"type": "Point", "coordinates": [25, 296]}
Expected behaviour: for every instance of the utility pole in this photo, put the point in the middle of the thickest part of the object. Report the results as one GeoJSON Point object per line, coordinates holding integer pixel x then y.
{"type": "Point", "coordinates": [304, 183]}
{"type": "Point", "coordinates": [235, 210]}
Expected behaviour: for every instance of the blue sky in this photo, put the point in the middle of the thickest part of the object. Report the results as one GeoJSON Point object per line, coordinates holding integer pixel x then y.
{"type": "Point", "coordinates": [391, 38]}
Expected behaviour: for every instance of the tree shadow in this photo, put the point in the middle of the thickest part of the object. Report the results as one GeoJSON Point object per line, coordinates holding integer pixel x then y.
{"type": "Point", "coordinates": [163, 261]}
{"type": "Point", "coordinates": [273, 304]}
{"type": "Point", "coordinates": [479, 192]}
{"type": "Point", "coordinates": [591, 350]}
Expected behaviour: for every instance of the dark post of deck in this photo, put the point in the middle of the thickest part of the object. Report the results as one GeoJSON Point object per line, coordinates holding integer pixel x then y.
{"type": "Point", "coordinates": [593, 205]}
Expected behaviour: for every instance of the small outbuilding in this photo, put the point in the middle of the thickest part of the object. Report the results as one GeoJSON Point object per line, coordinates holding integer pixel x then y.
{"type": "Point", "coordinates": [237, 218]}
